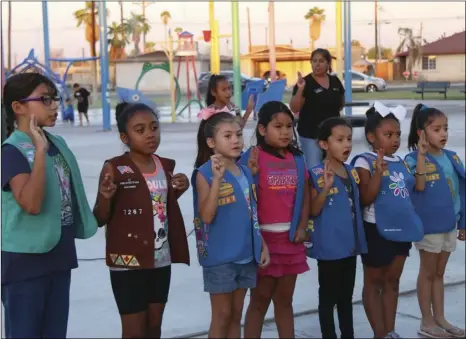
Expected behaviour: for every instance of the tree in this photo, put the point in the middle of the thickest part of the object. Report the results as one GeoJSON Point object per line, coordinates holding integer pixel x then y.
{"type": "Point", "coordinates": [137, 25]}
{"type": "Point", "coordinates": [165, 16]}
{"type": "Point", "coordinates": [149, 47]}
{"type": "Point", "coordinates": [316, 17]}
{"type": "Point", "coordinates": [87, 16]}
{"type": "Point", "coordinates": [122, 17]}
{"type": "Point", "coordinates": [178, 31]}
{"type": "Point", "coordinates": [412, 44]}
{"type": "Point", "coordinates": [385, 53]}
{"type": "Point", "coordinates": [117, 40]}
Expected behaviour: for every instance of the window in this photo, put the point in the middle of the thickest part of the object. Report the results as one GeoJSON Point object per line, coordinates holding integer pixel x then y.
{"type": "Point", "coordinates": [429, 62]}
{"type": "Point", "coordinates": [356, 77]}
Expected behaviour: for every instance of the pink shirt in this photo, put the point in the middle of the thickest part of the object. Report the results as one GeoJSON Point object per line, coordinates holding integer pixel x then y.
{"type": "Point", "coordinates": [277, 188]}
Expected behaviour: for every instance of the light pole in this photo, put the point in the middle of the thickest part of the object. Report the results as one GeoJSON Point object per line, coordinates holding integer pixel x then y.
{"type": "Point", "coordinates": [236, 53]}
{"type": "Point", "coordinates": [272, 52]}
{"type": "Point", "coordinates": [45, 24]}
{"type": "Point", "coordinates": [348, 61]}
{"type": "Point", "coordinates": [104, 73]}
{"type": "Point", "coordinates": [339, 38]}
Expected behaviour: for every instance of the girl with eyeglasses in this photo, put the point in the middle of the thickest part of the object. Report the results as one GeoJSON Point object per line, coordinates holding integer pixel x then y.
{"type": "Point", "coordinates": [44, 208]}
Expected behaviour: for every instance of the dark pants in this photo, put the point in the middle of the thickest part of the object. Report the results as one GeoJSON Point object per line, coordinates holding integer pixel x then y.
{"type": "Point", "coordinates": [37, 308]}
{"type": "Point", "coordinates": [336, 285]}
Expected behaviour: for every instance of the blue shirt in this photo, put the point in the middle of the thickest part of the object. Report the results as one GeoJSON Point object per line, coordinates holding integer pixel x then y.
{"type": "Point", "coordinates": [244, 184]}
{"type": "Point", "coordinates": [20, 266]}
{"type": "Point", "coordinates": [450, 174]}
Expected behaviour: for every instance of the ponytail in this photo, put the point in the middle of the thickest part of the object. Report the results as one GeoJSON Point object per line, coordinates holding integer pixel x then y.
{"type": "Point", "coordinates": [422, 117]}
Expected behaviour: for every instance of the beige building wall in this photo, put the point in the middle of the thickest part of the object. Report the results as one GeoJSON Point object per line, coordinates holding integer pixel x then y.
{"type": "Point", "coordinates": [448, 68]}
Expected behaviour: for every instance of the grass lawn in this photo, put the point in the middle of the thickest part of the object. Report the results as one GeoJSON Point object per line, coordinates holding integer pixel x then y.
{"type": "Point", "coordinates": [453, 94]}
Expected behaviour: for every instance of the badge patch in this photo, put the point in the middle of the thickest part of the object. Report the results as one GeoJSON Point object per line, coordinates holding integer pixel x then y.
{"type": "Point", "coordinates": [310, 225]}
{"type": "Point", "coordinates": [227, 200]}
{"type": "Point", "coordinates": [430, 167]}
{"type": "Point", "coordinates": [254, 191]}
{"type": "Point", "coordinates": [318, 171]}
{"type": "Point", "coordinates": [197, 223]}
{"type": "Point", "coordinates": [134, 262]}
{"type": "Point", "coordinates": [30, 156]}
{"type": "Point", "coordinates": [26, 145]}
{"type": "Point", "coordinates": [125, 169]}
{"type": "Point", "coordinates": [226, 189]}
{"type": "Point", "coordinates": [320, 182]}
{"type": "Point", "coordinates": [355, 175]}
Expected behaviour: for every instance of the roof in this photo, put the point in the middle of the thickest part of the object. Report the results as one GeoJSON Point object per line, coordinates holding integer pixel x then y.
{"type": "Point", "coordinates": [453, 44]}
{"type": "Point", "coordinates": [185, 34]}
{"type": "Point", "coordinates": [160, 56]}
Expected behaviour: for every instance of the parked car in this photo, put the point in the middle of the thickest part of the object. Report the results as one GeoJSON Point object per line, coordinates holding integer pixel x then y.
{"type": "Point", "coordinates": [366, 83]}
{"type": "Point", "coordinates": [204, 77]}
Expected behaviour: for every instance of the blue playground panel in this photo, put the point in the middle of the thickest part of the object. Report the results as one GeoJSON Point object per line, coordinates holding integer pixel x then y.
{"type": "Point", "coordinates": [252, 88]}
{"type": "Point", "coordinates": [273, 93]}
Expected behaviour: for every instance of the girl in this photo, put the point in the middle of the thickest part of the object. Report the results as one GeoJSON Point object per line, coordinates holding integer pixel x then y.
{"type": "Point", "coordinates": [44, 208]}
{"type": "Point", "coordinates": [68, 114]}
{"type": "Point", "coordinates": [219, 100]}
{"type": "Point", "coordinates": [281, 180]}
{"type": "Point", "coordinates": [390, 222]}
{"type": "Point", "coordinates": [145, 232]}
{"type": "Point", "coordinates": [336, 211]}
{"type": "Point", "coordinates": [439, 201]}
{"type": "Point", "coordinates": [227, 232]}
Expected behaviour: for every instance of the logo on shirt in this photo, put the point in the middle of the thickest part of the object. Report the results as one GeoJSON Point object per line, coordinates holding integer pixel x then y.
{"type": "Point", "coordinates": [26, 145]}
{"type": "Point", "coordinates": [398, 185]}
{"type": "Point", "coordinates": [125, 169]}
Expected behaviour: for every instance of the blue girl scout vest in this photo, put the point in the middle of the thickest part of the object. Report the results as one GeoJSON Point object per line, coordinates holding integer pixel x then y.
{"type": "Point", "coordinates": [235, 229]}
{"type": "Point", "coordinates": [435, 204]}
{"type": "Point", "coordinates": [299, 198]}
{"type": "Point", "coordinates": [334, 233]}
{"type": "Point", "coordinates": [395, 216]}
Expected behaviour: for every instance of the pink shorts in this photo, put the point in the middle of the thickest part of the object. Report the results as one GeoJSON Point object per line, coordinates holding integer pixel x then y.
{"type": "Point", "coordinates": [286, 257]}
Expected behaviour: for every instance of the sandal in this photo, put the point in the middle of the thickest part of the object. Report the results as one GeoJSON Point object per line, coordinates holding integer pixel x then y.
{"type": "Point", "coordinates": [455, 332]}
{"type": "Point", "coordinates": [433, 332]}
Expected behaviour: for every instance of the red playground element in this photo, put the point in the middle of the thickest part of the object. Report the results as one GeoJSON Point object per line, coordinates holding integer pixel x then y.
{"type": "Point", "coordinates": [187, 52]}
{"type": "Point", "coordinates": [207, 35]}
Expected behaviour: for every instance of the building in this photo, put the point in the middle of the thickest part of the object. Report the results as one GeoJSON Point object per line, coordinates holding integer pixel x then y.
{"type": "Point", "coordinates": [128, 71]}
{"type": "Point", "coordinates": [442, 60]}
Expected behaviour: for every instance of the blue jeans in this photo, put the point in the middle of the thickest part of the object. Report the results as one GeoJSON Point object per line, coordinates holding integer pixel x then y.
{"type": "Point", "coordinates": [312, 151]}
{"type": "Point", "coordinates": [37, 308]}
{"type": "Point", "coordinates": [227, 278]}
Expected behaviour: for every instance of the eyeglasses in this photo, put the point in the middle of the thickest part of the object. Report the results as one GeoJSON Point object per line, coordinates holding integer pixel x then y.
{"type": "Point", "coordinates": [45, 99]}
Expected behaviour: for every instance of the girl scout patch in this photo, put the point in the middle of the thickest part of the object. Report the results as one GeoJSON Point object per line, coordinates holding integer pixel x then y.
{"type": "Point", "coordinates": [254, 191]}
{"type": "Point", "coordinates": [355, 175]}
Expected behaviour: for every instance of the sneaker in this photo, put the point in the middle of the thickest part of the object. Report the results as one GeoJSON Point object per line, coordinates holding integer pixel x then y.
{"type": "Point", "coordinates": [394, 335]}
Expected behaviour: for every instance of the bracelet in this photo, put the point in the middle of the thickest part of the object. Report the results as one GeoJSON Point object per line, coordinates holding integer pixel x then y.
{"type": "Point", "coordinates": [423, 173]}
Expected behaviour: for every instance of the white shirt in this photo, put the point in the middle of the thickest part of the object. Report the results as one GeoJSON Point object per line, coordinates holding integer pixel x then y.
{"type": "Point", "coordinates": [369, 211]}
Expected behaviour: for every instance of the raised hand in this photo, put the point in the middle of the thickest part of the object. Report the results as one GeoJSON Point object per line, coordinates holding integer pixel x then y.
{"type": "Point", "coordinates": [107, 187]}
{"type": "Point", "coordinates": [253, 162]}
{"type": "Point", "coordinates": [38, 137]}
{"type": "Point", "coordinates": [250, 106]}
{"type": "Point", "coordinates": [218, 166]}
{"type": "Point", "coordinates": [380, 164]}
{"type": "Point", "coordinates": [329, 177]}
{"type": "Point", "coordinates": [301, 82]}
{"type": "Point", "coordinates": [180, 182]}
{"type": "Point", "coordinates": [422, 144]}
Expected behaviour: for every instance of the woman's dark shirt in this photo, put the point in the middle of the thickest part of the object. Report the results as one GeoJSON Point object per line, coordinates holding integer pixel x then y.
{"type": "Point", "coordinates": [320, 104]}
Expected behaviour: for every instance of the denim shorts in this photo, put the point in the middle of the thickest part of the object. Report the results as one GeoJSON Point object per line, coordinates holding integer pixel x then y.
{"type": "Point", "coordinates": [229, 277]}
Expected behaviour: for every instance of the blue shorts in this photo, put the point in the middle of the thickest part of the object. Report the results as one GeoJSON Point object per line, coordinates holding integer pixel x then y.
{"type": "Point", "coordinates": [229, 277]}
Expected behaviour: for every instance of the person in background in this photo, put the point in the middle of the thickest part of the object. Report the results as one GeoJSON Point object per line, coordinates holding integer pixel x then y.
{"type": "Point", "coordinates": [440, 202]}
{"type": "Point", "coordinates": [68, 114]}
{"type": "Point", "coordinates": [83, 97]}
{"type": "Point", "coordinates": [44, 208]}
{"type": "Point", "coordinates": [316, 97]}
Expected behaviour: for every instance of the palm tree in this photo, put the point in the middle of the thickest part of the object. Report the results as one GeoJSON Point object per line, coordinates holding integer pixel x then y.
{"type": "Point", "coordinates": [137, 25]}
{"type": "Point", "coordinates": [87, 16]}
{"type": "Point", "coordinates": [165, 16]}
{"type": "Point", "coordinates": [122, 18]}
{"type": "Point", "coordinates": [149, 47]}
{"type": "Point", "coordinates": [316, 17]}
{"type": "Point", "coordinates": [117, 40]}
{"type": "Point", "coordinates": [413, 44]}
{"type": "Point", "coordinates": [178, 30]}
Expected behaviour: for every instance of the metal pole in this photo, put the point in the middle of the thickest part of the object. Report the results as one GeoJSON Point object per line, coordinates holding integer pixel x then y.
{"type": "Point", "coordinates": [217, 48]}
{"type": "Point", "coordinates": [376, 27]}
{"type": "Point", "coordinates": [272, 52]}
{"type": "Point", "coordinates": [212, 35]}
{"type": "Point", "coordinates": [236, 53]}
{"type": "Point", "coordinates": [348, 61]}
{"type": "Point", "coordinates": [339, 29]}
{"type": "Point", "coordinates": [45, 24]}
{"type": "Point", "coordinates": [104, 72]}
{"type": "Point", "coordinates": [172, 76]}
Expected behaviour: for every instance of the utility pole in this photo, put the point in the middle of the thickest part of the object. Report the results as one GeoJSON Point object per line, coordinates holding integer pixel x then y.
{"type": "Point", "coordinates": [420, 43]}
{"type": "Point", "coordinates": [9, 36]}
{"type": "Point", "coordinates": [376, 26]}
{"type": "Point", "coordinates": [266, 36]}
{"type": "Point", "coordinates": [249, 32]}
{"type": "Point", "coordinates": [272, 52]}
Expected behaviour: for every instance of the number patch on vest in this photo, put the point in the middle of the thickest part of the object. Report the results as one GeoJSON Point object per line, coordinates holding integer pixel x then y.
{"type": "Point", "coordinates": [226, 190]}
{"type": "Point", "coordinates": [227, 200]}
{"type": "Point", "coordinates": [132, 211]}
{"type": "Point", "coordinates": [433, 177]}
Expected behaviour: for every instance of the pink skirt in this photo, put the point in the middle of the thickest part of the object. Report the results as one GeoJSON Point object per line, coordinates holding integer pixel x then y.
{"type": "Point", "coordinates": [286, 257]}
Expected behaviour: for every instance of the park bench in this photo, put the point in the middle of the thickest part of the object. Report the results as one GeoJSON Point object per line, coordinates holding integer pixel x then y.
{"type": "Point", "coordinates": [463, 89]}
{"type": "Point", "coordinates": [432, 87]}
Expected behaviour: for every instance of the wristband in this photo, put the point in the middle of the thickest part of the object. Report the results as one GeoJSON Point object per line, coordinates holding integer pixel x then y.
{"type": "Point", "coordinates": [419, 174]}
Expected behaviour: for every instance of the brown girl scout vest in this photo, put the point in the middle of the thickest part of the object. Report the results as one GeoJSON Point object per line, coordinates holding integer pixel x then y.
{"type": "Point", "coordinates": [130, 231]}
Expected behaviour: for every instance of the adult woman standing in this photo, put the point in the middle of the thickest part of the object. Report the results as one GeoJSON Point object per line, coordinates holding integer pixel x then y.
{"type": "Point", "coordinates": [317, 96]}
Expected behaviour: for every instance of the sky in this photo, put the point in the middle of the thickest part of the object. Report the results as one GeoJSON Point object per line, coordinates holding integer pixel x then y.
{"type": "Point", "coordinates": [291, 27]}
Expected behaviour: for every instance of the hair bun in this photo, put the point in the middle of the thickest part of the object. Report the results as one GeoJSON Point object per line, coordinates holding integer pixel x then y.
{"type": "Point", "coordinates": [371, 111]}
{"type": "Point", "coordinates": [120, 108]}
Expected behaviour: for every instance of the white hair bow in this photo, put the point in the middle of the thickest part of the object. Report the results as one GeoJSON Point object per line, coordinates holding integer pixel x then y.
{"type": "Point", "coordinates": [399, 111]}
